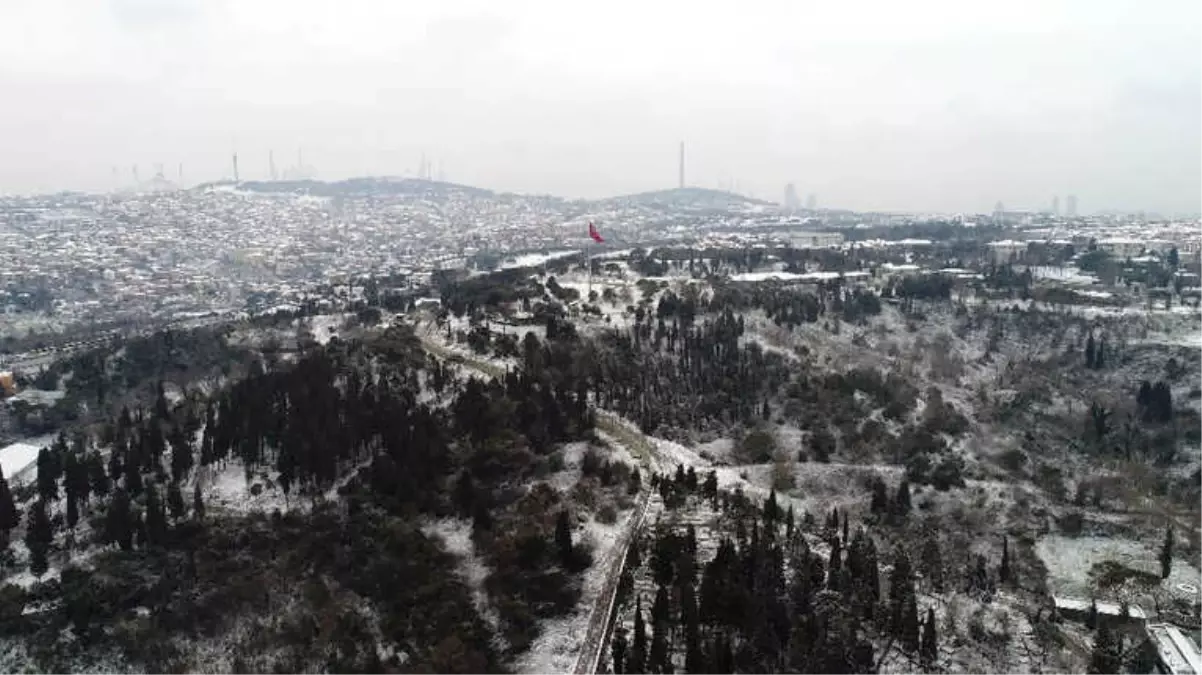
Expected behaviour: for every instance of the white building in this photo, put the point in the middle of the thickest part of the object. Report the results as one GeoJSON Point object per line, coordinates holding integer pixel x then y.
{"type": "Point", "coordinates": [1177, 653]}
{"type": "Point", "coordinates": [814, 239]}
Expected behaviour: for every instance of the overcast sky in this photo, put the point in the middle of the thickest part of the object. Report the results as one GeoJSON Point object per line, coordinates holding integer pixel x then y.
{"type": "Point", "coordinates": [913, 105]}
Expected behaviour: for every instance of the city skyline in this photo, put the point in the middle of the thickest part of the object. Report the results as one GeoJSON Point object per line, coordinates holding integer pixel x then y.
{"type": "Point", "coordinates": [948, 111]}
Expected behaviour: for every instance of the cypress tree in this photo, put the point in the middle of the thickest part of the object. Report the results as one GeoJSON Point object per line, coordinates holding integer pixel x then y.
{"type": "Point", "coordinates": [1090, 348]}
{"type": "Point", "coordinates": [97, 476]}
{"type": "Point", "coordinates": [659, 610]}
{"type": "Point", "coordinates": [1166, 554]}
{"type": "Point", "coordinates": [910, 625]}
{"type": "Point", "coordinates": [198, 505]}
{"type": "Point", "coordinates": [1004, 572]}
{"type": "Point", "coordinates": [47, 480]}
{"type": "Point", "coordinates": [901, 589]}
{"type": "Point", "coordinates": [117, 522]}
{"type": "Point", "coordinates": [72, 512]}
{"type": "Point", "coordinates": [563, 539]}
{"type": "Point", "coordinates": [175, 502]}
{"type": "Point", "coordinates": [9, 518]}
{"type": "Point", "coordinates": [638, 653]}
{"type": "Point", "coordinates": [932, 563]}
{"type": "Point", "coordinates": [38, 536]}
{"type": "Point", "coordinates": [880, 496]}
{"type": "Point", "coordinates": [1091, 618]}
{"type": "Point", "coordinates": [618, 649]}
{"type": "Point", "coordinates": [929, 649]}
{"type": "Point", "coordinates": [689, 618]}
{"type": "Point", "coordinates": [156, 518]}
{"type": "Point", "coordinates": [902, 501]}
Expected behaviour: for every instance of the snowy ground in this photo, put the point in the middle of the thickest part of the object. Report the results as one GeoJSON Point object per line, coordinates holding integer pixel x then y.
{"type": "Point", "coordinates": [558, 646]}
{"type": "Point", "coordinates": [228, 488]}
{"type": "Point", "coordinates": [456, 536]}
{"type": "Point", "coordinates": [1070, 559]}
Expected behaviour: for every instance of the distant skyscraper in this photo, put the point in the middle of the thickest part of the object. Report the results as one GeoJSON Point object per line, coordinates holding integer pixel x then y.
{"type": "Point", "coordinates": [999, 213]}
{"type": "Point", "coordinates": [271, 165]}
{"type": "Point", "coordinates": [791, 200]}
{"type": "Point", "coordinates": [1056, 205]}
{"type": "Point", "coordinates": [1070, 206]}
{"type": "Point", "coordinates": [235, 167]}
{"type": "Point", "coordinates": [682, 165]}
{"type": "Point", "coordinates": [811, 202]}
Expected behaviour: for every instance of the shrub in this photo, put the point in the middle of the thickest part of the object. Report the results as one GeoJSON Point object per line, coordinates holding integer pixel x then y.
{"type": "Point", "coordinates": [757, 447]}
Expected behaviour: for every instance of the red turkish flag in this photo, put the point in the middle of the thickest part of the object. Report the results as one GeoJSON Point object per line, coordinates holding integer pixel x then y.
{"type": "Point", "coordinates": [592, 232]}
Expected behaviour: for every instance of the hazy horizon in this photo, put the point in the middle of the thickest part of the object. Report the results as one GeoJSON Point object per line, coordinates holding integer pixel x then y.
{"type": "Point", "coordinates": [934, 106]}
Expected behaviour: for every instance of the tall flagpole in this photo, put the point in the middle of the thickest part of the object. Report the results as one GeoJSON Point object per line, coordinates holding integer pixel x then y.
{"type": "Point", "coordinates": [588, 254]}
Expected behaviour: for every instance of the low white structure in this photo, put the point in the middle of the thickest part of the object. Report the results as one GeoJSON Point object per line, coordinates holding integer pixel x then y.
{"type": "Point", "coordinates": [1073, 607]}
{"type": "Point", "coordinates": [1177, 653]}
{"type": "Point", "coordinates": [814, 239]}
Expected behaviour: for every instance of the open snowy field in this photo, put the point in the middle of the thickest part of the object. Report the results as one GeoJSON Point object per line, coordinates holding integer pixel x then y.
{"type": "Point", "coordinates": [1070, 561]}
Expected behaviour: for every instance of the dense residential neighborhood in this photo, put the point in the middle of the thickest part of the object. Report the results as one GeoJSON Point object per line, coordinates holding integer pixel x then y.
{"type": "Point", "coordinates": [573, 434]}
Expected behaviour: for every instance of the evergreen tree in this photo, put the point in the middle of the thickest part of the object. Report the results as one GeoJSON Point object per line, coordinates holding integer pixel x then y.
{"type": "Point", "coordinates": [691, 622]}
{"type": "Point", "coordinates": [97, 477]}
{"type": "Point", "coordinates": [181, 453]}
{"type": "Point", "coordinates": [563, 539]}
{"type": "Point", "coordinates": [1004, 571]}
{"type": "Point", "coordinates": [137, 522]}
{"type": "Point", "coordinates": [1091, 617]}
{"type": "Point", "coordinates": [637, 663]}
{"type": "Point", "coordinates": [116, 466]}
{"type": "Point", "coordinates": [910, 625]}
{"type": "Point", "coordinates": [156, 518]}
{"type": "Point", "coordinates": [659, 610]}
{"type": "Point", "coordinates": [902, 501]}
{"type": "Point", "coordinates": [47, 480]}
{"type": "Point", "coordinates": [118, 528]}
{"type": "Point", "coordinates": [618, 650]}
{"type": "Point", "coordinates": [1166, 554]}
{"type": "Point", "coordinates": [658, 661]}
{"type": "Point", "coordinates": [1090, 349]}
{"type": "Point", "coordinates": [929, 649]}
{"type": "Point", "coordinates": [72, 512]}
{"type": "Point", "coordinates": [1143, 659]}
{"type": "Point", "coordinates": [198, 505]}
{"type": "Point", "coordinates": [1099, 359]}
{"type": "Point", "coordinates": [9, 518]}
{"type": "Point", "coordinates": [175, 502]}
{"type": "Point", "coordinates": [880, 496]}
{"type": "Point", "coordinates": [932, 563]}
{"type": "Point", "coordinates": [710, 489]}
{"type": "Point", "coordinates": [1107, 655]}
{"type": "Point", "coordinates": [901, 589]}
{"type": "Point", "coordinates": [38, 536]}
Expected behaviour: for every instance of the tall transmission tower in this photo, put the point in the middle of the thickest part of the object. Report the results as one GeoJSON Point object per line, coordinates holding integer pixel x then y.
{"type": "Point", "coordinates": [682, 165]}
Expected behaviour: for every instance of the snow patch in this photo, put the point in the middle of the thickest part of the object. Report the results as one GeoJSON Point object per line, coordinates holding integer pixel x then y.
{"type": "Point", "coordinates": [456, 536]}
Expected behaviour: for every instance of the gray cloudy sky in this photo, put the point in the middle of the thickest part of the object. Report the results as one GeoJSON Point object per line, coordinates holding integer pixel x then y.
{"type": "Point", "coordinates": [910, 105]}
